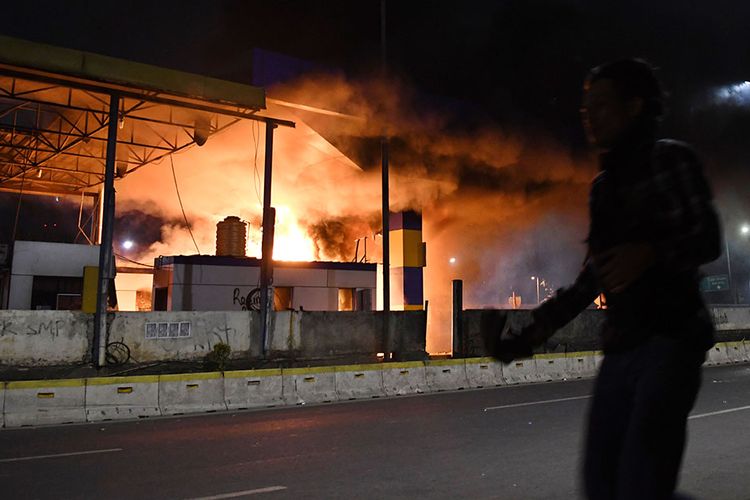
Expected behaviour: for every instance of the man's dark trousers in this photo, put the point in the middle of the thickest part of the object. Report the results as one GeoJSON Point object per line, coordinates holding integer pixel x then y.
{"type": "Point", "coordinates": [638, 418]}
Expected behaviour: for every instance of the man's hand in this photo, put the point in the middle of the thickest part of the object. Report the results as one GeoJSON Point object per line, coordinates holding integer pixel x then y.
{"type": "Point", "coordinates": [520, 345]}
{"type": "Point", "coordinates": [618, 267]}
{"type": "Point", "coordinates": [513, 347]}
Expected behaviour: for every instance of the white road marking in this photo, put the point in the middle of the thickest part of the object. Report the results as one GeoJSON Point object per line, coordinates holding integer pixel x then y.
{"type": "Point", "coordinates": [720, 412]}
{"type": "Point", "coordinates": [517, 405]}
{"type": "Point", "coordinates": [244, 493]}
{"type": "Point", "coordinates": [60, 455]}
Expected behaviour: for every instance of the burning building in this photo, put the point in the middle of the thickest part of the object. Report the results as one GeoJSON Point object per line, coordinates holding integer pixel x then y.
{"type": "Point", "coordinates": [483, 193]}
{"type": "Point", "coordinates": [216, 283]}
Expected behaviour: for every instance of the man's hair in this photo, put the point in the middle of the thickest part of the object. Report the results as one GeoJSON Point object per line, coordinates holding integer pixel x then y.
{"type": "Point", "coordinates": [632, 78]}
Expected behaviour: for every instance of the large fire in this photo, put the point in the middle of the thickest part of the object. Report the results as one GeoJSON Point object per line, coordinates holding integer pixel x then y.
{"type": "Point", "coordinates": [486, 196]}
{"type": "Point", "coordinates": [291, 240]}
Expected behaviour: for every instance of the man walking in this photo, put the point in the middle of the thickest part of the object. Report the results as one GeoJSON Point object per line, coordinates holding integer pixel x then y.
{"type": "Point", "coordinates": [652, 224]}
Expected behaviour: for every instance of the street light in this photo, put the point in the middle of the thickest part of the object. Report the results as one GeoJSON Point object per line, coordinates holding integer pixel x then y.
{"type": "Point", "coordinates": [536, 278]}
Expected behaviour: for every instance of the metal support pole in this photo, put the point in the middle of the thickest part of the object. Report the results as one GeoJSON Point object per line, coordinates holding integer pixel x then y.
{"type": "Point", "coordinates": [266, 266]}
{"type": "Point", "coordinates": [458, 318]}
{"type": "Point", "coordinates": [99, 215]}
{"type": "Point", "coordinates": [386, 255]}
{"type": "Point", "coordinates": [105, 237]}
{"type": "Point", "coordinates": [384, 146]}
{"type": "Point", "coordinates": [729, 270]}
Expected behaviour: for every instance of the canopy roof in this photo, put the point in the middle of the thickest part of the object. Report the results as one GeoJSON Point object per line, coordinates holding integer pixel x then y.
{"type": "Point", "coordinates": [54, 113]}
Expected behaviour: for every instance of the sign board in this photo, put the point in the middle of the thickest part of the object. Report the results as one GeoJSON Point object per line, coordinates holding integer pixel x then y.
{"type": "Point", "coordinates": [716, 283]}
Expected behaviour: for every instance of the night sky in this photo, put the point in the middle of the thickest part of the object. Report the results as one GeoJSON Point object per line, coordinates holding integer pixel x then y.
{"type": "Point", "coordinates": [516, 63]}
{"type": "Point", "coordinates": [532, 53]}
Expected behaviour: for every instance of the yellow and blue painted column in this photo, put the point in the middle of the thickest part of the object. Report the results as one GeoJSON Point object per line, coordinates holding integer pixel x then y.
{"type": "Point", "coordinates": [408, 259]}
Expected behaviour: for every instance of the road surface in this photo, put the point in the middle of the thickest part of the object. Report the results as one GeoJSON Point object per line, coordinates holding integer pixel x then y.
{"type": "Point", "coordinates": [520, 442]}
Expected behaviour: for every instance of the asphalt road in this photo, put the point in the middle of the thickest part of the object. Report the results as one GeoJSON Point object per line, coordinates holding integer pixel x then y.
{"type": "Point", "coordinates": [520, 442]}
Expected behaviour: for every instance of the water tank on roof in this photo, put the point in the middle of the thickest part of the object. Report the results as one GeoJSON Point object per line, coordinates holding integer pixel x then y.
{"type": "Point", "coordinates": [231, 237]}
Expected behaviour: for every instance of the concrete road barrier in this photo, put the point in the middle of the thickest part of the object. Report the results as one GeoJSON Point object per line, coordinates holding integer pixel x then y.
{"type": "Point", "coordinates": [551, 367]}
{"type": "Point", "coordinates": [309, 385]}
{"type": "Point", "coordinates": [64, 401]}
{"type": "Point", "coordinates": [37, 402]}
{"type": "Point", "coordinates": [191, 393]}
{"type": "Point", "coordinates": [484, 372]}
{"type": "Point", "coordinates": [580, 365]}
{"type": "Point", "coordinates": [446, 374]}
{"type": "Point", "coordinates": [598, 360]}
{"type": "Point", "coordinates": [736, 352]}
{"type": "Point", "coordinates": [520, 371]}
{"type": "Point", "coordinates": [359, 381]}
{"type": "Point", "coordinates": [717, 355]}
{"type": "Point", "coordinates": [253, 388]}
{"type": "Point", "coordinates": [400, 379]}
{"type": "Point", "coordinates": [112, 398]}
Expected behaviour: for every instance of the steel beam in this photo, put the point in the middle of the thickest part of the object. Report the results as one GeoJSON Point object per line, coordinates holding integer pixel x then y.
{"type": "Point", "coordinates": [151, 96]}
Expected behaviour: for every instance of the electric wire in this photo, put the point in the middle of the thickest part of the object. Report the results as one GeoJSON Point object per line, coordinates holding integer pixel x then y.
{"type": "Point", "coordinates": [179, 198]}
{"type": "Point", "coordinates": [133, 261]}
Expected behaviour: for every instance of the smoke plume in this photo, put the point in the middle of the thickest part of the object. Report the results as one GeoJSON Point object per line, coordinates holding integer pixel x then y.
{"type": "Point", "coordinates": [505, 205]}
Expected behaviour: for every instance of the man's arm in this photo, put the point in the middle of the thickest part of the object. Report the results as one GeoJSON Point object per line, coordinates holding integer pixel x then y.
{"type": "Point", "coordinates": [550, 316]}
{"type": "Point", "coordinates": [567, 303]}
{"type": "Point", "coordinates": [688, 233]}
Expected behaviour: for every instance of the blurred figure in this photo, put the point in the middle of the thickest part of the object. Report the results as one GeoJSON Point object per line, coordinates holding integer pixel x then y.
{"type": "Point", "coordinates": [652, 224]}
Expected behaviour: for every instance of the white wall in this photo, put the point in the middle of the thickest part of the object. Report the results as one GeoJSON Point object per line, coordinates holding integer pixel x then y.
{"type": "Point", "coordinates": [205, 330]}
{"type": "Point", "coordinates": [214, 275]}
{"type": "Point", "coordinates": [300, 276]}
{"type": "Point", "coordinates": [38, 338]}
{"type": "Point", "coordinates": [210, 297]}
{"type": "Point", "coordinates": [730, 317]}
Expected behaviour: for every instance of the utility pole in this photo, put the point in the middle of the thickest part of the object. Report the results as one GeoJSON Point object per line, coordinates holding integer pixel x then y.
{"type": "Point", "coordinates": [384, 150]}
{"type": "Point", "coordinates": [266, 262]}
{"type": "Point", "coordinates": [536, 278]}
{"type": "Point", "coordinates": [105, 236]}
{"type": "Point", "coordinates": [729, 269]}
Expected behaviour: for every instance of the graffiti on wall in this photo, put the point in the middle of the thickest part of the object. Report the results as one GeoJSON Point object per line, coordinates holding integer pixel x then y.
{"type": "Point", "coordinates": [53, 328]}
{"type": "Point", "coordinates": [249, 302]}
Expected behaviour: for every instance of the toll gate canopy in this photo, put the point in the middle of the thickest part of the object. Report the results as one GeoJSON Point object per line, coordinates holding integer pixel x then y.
{"type": "Point", "coordinates": [71, 122]}
{"type": "Point", "coordinates": [54, 108]}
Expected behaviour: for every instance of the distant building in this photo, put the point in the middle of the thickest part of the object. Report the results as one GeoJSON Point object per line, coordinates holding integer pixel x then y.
{"type": "Point", "coordinates": [47, 275]}
{"type": "Point", "coordinates": [211, 283]}
{"type": "Point", "coordinates": [50, 276]}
